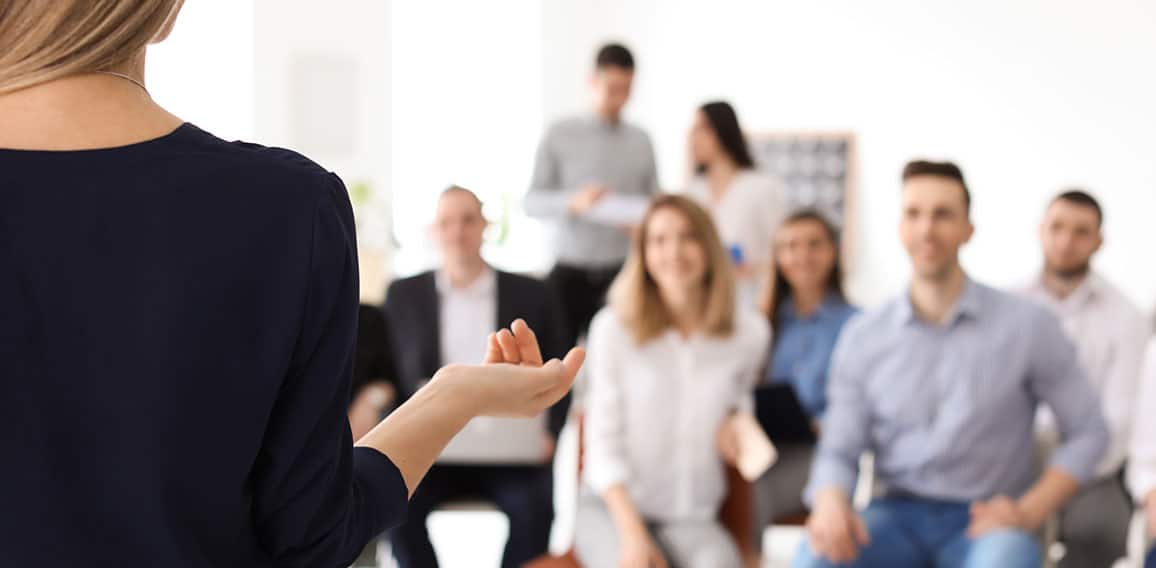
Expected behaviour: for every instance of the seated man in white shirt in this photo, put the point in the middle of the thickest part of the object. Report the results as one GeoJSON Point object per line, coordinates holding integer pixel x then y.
{"type": "Point", "coordinates": [444, 317]}
{"type": "Point", "coordinates": [1110, 334]}
{"type": "Point", "coordinates": [1142, 460]}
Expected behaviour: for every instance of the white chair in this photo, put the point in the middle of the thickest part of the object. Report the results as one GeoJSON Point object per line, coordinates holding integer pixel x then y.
{"type": "Point", "coordinates": [1138, 542]}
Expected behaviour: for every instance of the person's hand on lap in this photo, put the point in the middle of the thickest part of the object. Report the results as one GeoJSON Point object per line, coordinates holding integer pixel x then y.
{"type": "Point", "coordinates": [727, 442]}
{"type": "Point", "coordinates": [835, 531]}
{"type": "Point", "coordinates": [638, 550]}
{"type": "Point", "coordinates": [997, 513]}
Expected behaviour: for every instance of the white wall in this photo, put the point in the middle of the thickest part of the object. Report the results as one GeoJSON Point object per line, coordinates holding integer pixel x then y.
{"type": "Point", "coordinates": [354, 35]}
{"type": "Point", "coordinates": [203, 72]}
{"type": "Point", "coordinates": [1027, 96]}
{"type": "Point", "coordinates": [444, 92]}
{"type": "Point", "coordinates": [466, 110]}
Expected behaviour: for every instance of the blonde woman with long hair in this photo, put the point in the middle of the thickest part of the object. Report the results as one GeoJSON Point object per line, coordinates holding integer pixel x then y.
{"type": "Point", "coordinates": [671, 358]}
{"type": "Point", "coordinates": [177, 321]}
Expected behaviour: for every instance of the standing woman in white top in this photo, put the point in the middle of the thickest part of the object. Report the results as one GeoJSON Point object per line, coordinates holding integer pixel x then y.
{"type": "Point", "coordinates": [747, 205]}
{"type": "Point", "coordinates": [670, 359]}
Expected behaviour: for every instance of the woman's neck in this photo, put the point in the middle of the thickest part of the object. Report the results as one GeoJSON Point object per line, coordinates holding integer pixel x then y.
{"type": "Point", "coordinates": [807, 300]}
{"type": "Point", "coordinates": [83, 111]}
{"type": "Point", "coordinates": [685, 308]}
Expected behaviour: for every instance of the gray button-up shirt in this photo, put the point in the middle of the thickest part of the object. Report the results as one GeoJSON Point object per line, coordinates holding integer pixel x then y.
{"type": "Point", "coordinates": [949, 409]}
{"type": "Point", "coordinates": [583, 150]}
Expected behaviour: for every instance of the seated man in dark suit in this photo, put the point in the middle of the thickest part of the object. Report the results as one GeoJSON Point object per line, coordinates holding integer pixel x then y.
{"type": "Point", "coordinates": [444, 317]}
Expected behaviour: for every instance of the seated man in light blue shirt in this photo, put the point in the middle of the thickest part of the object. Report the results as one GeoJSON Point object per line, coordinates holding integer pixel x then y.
{"type": "Point", "coordinates": [942, 384]}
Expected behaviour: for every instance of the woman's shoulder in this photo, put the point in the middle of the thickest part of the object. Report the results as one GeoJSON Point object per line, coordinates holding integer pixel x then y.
{"type": "Point", "coordinates": [696, 188]}
{"type": "Point", "coordinates": [756, 178]}
{"type": "Point", "coordinates": [254, 167]}
{"type": "Point", "coordinates": [759, 188]}
{"type": "Point", "coordinates": [752, 328]}
{"type": "Point", "coordinates": [607, 324]}
{"type": "Point", "coordinates": [840, 307]}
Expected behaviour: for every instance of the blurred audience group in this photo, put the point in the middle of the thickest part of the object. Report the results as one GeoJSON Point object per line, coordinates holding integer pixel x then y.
{"type": "Point", "coordinates": [989, 415]}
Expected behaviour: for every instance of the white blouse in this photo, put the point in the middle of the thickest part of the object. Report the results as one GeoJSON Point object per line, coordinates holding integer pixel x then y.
{"type": "Point", "coordinates": [748, 213]}
{"type": "Point", "coordinates": [653, 412]}
{"type": "Point", "coordinates": [1142, 467]}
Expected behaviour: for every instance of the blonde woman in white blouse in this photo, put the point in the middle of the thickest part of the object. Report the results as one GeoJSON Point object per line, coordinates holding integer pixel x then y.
{"type": "Point", "coordinates": [669, 360]}
{"type": "Point", "coordinates": [747, 205]}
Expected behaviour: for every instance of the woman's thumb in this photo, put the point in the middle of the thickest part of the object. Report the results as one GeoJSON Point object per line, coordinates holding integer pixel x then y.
{"type": "Point", "coordinates": [573, 362]}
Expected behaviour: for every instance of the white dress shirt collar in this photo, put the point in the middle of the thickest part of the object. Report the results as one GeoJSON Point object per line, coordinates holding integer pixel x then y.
{"type": "Point", "coordinates": [1090, 290]}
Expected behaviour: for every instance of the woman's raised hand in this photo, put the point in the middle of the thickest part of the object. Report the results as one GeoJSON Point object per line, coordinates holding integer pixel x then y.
{"type": "Point", "coordinates": [514, 381]}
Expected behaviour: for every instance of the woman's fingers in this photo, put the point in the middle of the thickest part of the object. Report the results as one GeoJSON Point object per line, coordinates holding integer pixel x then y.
{"type": "Point", "coordinates": [523, 390]}
{"type": "Point", "coordinates": [493, 350]}
{"type": "Point", "coordinates": [561, 378]}
{"type": "Point", "coordinates": [509, 347]}
{"type": "Point", "coordinates": [556, 385]}
{"type": "Point", "coordinates": [527, 342]}
{"type": "Point", "coordinates": [573, 362]}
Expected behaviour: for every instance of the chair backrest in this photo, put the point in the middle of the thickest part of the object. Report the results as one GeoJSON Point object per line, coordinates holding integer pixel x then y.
{"type": "Point", "coordinates": [1138, 541]}
{"type": "Point", "coordinates": [737, 513]}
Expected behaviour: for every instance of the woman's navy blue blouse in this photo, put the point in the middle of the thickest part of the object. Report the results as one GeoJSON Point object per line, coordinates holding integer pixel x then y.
{"type": "Point", "coordinates": [177, 324]}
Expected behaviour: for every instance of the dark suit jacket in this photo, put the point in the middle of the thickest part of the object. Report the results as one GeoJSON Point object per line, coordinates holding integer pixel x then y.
{"type": "Point", "coordinates": [411, 311]}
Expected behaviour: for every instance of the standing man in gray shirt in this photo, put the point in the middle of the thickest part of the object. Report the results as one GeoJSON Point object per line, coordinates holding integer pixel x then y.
{"type": "Point", "coordinates": [942, 384]}
{"type": "Point", "coordinates": [592, 173]}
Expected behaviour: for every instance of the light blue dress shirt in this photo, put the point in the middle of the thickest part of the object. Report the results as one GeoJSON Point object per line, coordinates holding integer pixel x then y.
{"type": "Point", "coordinates": [949, 409]}
{"type": "Point", "coordinates": [802, 349]}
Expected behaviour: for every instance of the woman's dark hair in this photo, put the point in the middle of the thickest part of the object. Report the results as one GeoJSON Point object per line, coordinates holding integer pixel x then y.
{"type": "Point", "coordinates": [781, 289]}
{"type": "Point", "coordinates": [725, 123]}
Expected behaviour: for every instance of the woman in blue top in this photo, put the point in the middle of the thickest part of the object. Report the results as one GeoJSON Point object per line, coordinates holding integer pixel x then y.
{"type": "Point", "coordinates": [177, 322]}
{"type": "Point", "coordinates": [807, 310]}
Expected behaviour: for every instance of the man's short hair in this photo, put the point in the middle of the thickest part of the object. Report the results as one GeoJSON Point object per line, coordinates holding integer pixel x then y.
{"type": "Point", "coordinates": [614, 55]}
{"type": "Point", "coordinates": [917, 168]}
{"type": "Point", "coordinates": [1082, 198]}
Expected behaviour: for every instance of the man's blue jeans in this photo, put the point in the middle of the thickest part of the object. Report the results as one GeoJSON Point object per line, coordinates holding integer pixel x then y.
{"type": "Point", "coordinates": [916, 533]}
